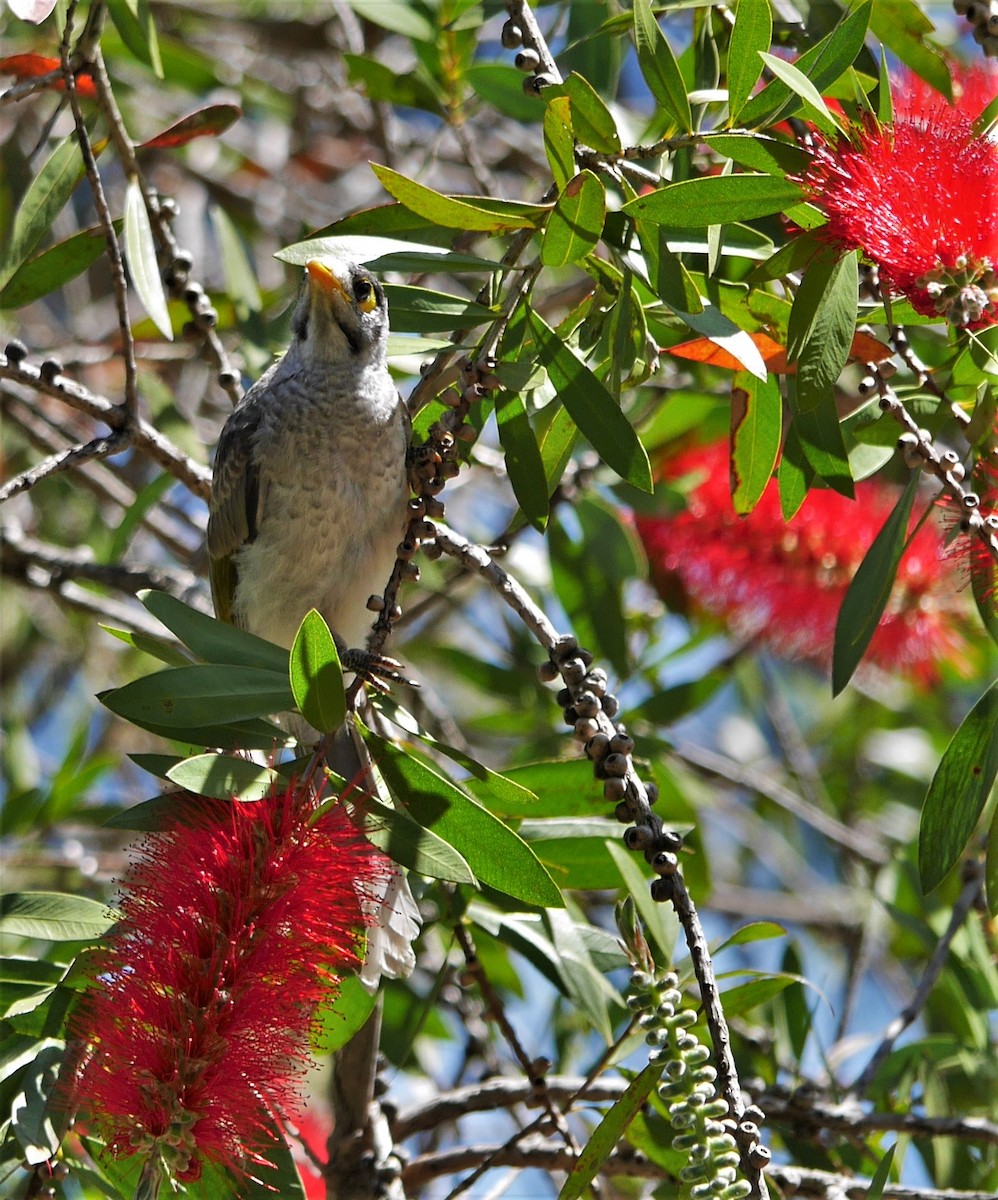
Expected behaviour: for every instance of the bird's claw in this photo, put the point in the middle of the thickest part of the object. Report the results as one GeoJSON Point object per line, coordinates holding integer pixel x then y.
{"type": "Point", "coordinates": [375, 669]}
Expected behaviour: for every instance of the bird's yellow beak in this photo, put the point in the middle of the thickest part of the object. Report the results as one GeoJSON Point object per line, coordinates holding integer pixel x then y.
{"type": "Point", "coordinates": [324, 277]}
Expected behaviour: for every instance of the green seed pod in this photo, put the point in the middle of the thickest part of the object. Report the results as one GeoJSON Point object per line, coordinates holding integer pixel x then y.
{"type": "Point", "coordinates": [700, 1055]}
{"type": "Point", "coordinates": [738, 1190]}
{"type": "Point", "coordinates": [684, 1142]}
{"type": "Point", "coordinates": [676, 1069]}
{"type": "Point", "coordinates": [684, 1018]}
{"type": "Point", "coordinates": [692, 1172]}
{"type": "Point", "coordinates": [716, 1108]}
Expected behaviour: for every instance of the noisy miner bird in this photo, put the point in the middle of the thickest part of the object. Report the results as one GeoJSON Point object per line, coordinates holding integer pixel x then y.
{"type": "Point", "coordinates": [308, 503]}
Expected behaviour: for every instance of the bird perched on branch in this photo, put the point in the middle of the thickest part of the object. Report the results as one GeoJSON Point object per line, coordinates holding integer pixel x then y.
{"type": "Point", "coordinates": [309, 495]}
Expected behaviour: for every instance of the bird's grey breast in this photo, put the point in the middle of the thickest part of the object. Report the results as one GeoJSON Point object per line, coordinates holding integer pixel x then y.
{"type": "Point", "coordinates": [329, 449]}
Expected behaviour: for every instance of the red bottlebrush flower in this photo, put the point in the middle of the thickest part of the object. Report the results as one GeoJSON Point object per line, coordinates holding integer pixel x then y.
{"type": "Point", "coordinates": [918, 198]}
{"type": "Point", "coordinates": [782, 583]}
{"type": "Point", "coordinates": [974, 87]}
{"type": "Point", "coordinates": [236, 922]}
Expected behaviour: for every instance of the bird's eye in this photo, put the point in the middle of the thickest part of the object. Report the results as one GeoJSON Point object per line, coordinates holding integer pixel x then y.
{"type": "Point", "coordinates": [364, 294]}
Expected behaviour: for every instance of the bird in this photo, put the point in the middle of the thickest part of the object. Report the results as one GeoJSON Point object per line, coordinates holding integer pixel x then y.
{"type": "Point", "coordinates": [308, 503]}
{"type": "Point", "coordinates": [309, 491]}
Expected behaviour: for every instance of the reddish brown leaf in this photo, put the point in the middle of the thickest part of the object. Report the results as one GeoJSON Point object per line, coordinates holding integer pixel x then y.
{"type": "Point", "coordinates": [206, 122]}
{"type": "Point", "coordinates": [865, 348]}
{"type": "Point", "coordinates": [33, 66]}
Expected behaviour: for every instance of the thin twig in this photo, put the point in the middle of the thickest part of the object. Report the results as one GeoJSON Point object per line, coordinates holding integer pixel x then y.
{"type": "Point", "coordinates": [116, 266]}
{"type": "Point", "coordinates": [974, 882]}
{"type": "Point", "coordinates": [139, 433]}
{"type": "Point", "coordinates": [65, 460]}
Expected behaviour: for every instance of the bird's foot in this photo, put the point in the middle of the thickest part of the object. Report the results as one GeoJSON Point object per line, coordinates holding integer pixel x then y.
{"type": "Point", "coordinates": [375, 669]}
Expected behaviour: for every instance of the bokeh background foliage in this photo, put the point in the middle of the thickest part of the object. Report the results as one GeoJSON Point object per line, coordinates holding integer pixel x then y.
{"type": "Point", "coordinates": [624, 230]}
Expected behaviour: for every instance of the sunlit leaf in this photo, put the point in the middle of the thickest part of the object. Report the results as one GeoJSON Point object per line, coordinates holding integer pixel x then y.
{"type": "Point", "coordinates": [54, 916]}
{"type": "Point", "coordinates": [316, 675]}
{"type": "Point", "coordinates": [574, 227]}
{"type": "Point", "coordinates": [140, 250]}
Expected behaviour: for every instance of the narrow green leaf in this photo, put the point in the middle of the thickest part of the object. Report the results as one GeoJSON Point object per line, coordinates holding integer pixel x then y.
{"type": "Point", "coordinates": [823, 64]}
{"type": "Point", "coordinates": [444, 210]}
{"type": "Point", "coordinates": [54, 267]}
{"type": "Point", "coordinates": [140, 250]}
{"type": "Point", "coordinates": [659, 67]}
{"type": "Point", "coordinates": [575, 226]}
{"type": "Point", "coordinates": [760, 153]}
{"type": "Point", "coordinates": [822, 442]}
{"type": "Point", "coordinates": [559, 140]}
{"type": "Point", "coordinates": [715, 200]}
{"type": "Point", "coordinates": [501, 85]}
{"type": "Point", "coordinates": [583, 984]}
{"type": "Point", "coordinates": [604, 1138]}
{"type": "Point", "coordinates": [41, 203]}
{"type": "Point", "coordinates": [902, 26]}
{"type": "Point", "coordinates": [316, 675]}
{"type": "Point", "coordinates": [497, 855]}
{"type": "Point", "coordinates": [822, 327]}
{"type": "Point", "coordinates": [991, 866]}
{"type": "Point", "coordinates": [158, 648]}
{"type": "Point", "coordinates": [524, 465]}
{"type": "Point", "coordinates": [591, 407]}
{"type": "Point", "coordinates": [756, 434]}
{"type": "Point", "coordinates": [881, 1175]}
{"type": "Point", "coordinates": [409, 844]}
{"type": "Point", "coordinates": [661, 925]}
{"type": "Point", "coordinates": [870, 590]}
{"type": "Point", "coordinates": [146, 499]}
{"type": "Point", "coordinates": [385, 85]}
{"type": "Point", "coordinates": [423, 310]}
{"type": "Point", "coordinates": [592, 121]}
{"type": "Point", "coordinates": [54, 916]}
{"type": "Point", "coordinates": [133, 20]}
{"type": "Point", "coordinates": [793, 476]}
{"type": "Point", "coordinates": [240, 278]}
{"type": "Point", "coordinates": [224, 777]}
{"type": "Point", "coordinates": [958, 791]}
{"type": "Point", "coordinates": [188, 698]}
{"type": "Point", "coordinates": [753, 31]}
{"type": "Point", "coordinates": [799, 83]}
{"type": "Point", "coordinates": [212, 640]}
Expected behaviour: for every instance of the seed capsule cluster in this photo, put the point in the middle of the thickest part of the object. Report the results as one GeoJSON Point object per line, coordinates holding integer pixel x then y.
{"type": "Point", "coordinates": [704, 1130]}
{"type": "Point", "coordinates": [590, 710]}
{"type": "Point", "coordinates": [430, 466]}
{"type": "Point", "coordinates": [527, 60]}
{"type": "Point", "coordinates": [983, 16]}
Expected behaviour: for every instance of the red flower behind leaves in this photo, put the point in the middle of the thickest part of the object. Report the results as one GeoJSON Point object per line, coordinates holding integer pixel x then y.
{"type": "Point", "coordinates": [782, 583]}
{"type": "Point", "coordinates": [919, 199]}
{"type": "Point", "coordinates": [236, 922]}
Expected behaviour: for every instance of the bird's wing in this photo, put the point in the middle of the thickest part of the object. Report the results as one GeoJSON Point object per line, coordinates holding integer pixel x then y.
{"type": "Point", "coordinates": [236, 503]}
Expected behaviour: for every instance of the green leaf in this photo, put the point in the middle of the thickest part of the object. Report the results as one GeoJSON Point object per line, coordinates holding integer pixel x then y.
{"type": "Point", "coordinates": [524, 465]}
{"type": "Point", "coordinates": [660, 923]}
{"type": "Point", "coordinates": [715, 200]}
{"type": "Point", "coordinates": [54, 267]}
{"type": "Point", "coordinates": [225, 777]}
{"type": "Point", "coordinates": [591, 407]}
{"type": "Point", "coordinates": [902, 26]}
{"type": "Point", "coordinates": [753, 31]}
{"type": "Point", "coordinates": [133, 20]}
{"type": "Point", "coordinates": [561, 788]}
{"type": "Point", "coordinates": [870, 590]}
{"type": "Point", "coordinates": [823, 64]}
{"type": "Point", "coordinates": [756, 433]}
{"type": "Point", "coordinates": [447, 211]}
{"type": "Point", "coordinates": [793, 476]}
{"type": "Point", "coordinates": [958, 791]}
{"type": "Point", "coordinates": [799, 83]}
{"type": "Point", "coordinates": [158, 648]}
{"type": "Point", "coordinates": [140, 250]}
{"type": "Point", "coordinates": [501, 86]}
{"type": "Point", "coordinates": [604, 1138]}
{"type": "Point", "coordinates": [338, 1022]}
{"type": "Point", "coordinates": [820, 439]}
{"type": "Point", "coordinates": [659, 67]}
{"type": "Point", "coordinates": [54, 916]}
{"type": "Point", "coordinates": [760, 153]}
{"type": "Point", "coordinates": [575, 226]}
{"type": "Point", "coordinates": [385, 85]}
{"type": "Point", "coordinates": [190, 698]}
{"type": "Point", "coordinates": [422, 310]}
{"type": "Point", "coordinates": [821, 328]}
{"type": "Point", "coordinates": [41, 203]}
{"type": "Point", "coordinates": [406, 842]}
{"type": "Point", "coordinates": [212, 640]}
{"type": "Point", "coordinates": [240, 278]}
{"type": "Point", "coordinates": [882, 1175]}
{"type": "Point", "coordinates": [584, 985]}
{"type": "Point", "coordinates": [559, 140]}
{"type": "Point", "coordinates": [316, 675]}
{"type": "Point", "coordinates": [147, 498]}
{"type": "Point", "coordinates": [497, 855]}
{"type": "Point", "coordinates": [592, 121]}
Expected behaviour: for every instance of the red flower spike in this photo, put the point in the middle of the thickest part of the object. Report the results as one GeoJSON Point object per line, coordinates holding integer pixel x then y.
{"type": "Point", "coordinates": [34, 66]}
{"type": "Point", "coordinates": [918, 198]}
{"type": "Point", "coordinates": [782, 583]}
{"type": "Point", "coordinates": [236, 922]}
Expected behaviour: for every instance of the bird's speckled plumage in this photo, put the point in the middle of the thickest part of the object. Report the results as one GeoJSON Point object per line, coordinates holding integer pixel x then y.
{"type": "Point", "coordinates": [309, 493]}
